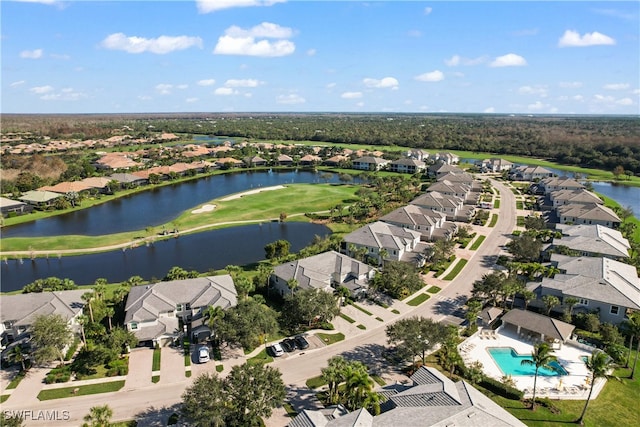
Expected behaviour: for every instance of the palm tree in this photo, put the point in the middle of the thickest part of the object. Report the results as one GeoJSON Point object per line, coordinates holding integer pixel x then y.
{"type": "Point", "coordinates": [109, 312]}
{"type": "Point", "coordinates": [357, 385]}
{"type": "Point", "coordinates": [82, 320]}
{"type": "Point", "coordinates": [372, 402]}
{"type": "Point", "coordinates": [569, 303]}
{"type": "Point", "coordinates": [88, 297]}
{"type": "Point", "coordinates": [213, 314]}
{"type": "Point", "coordinates": [632, 325]}
{"type": "Point", "coordinates": [550, 301]}
{"type": "Point", "coordinates": [541, 357]}
{"type": "Point", "coordinates": [598, 364]}
{"type": "Point", "coordinates": [98, 416]}
{"type": "Point", "coordinates": [18, 356]}
{"type": "Point", "coordinates": [527, 296]}
{"type": "Point", "coordinates": [334, 374]}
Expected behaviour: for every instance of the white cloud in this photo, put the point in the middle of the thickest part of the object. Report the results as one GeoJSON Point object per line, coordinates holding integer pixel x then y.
{"type": "Point", "coordinates": [164, 88]}
{"type": "Point", "coordinates": [225, 91]}
{"type": "Point", "coordinates": [39, 1]}
{"type": "Point", "coordinates": [432, 76]}
{"type": "Point", "coordinates": [578, 98]}
{"type": "Point", "coordinates": [616, 86]}
{"type": "Point", "coordinates": [538, 90]}
{"type": "Point", "coordinates": [617, 14]}
{"type": "Point", "coordinates": [160, 45]}
{"type": "Point", "coordinates": [66, 94]}
{"type": "Point", "coordinates": [490, 110]}
{"type": "Point", "coordinates": [574, 39]}
{"type": "Point", "coordinates": [351, 95]}
{"type": "Point", "coordinates": [208, 6]}
{"type": "Point", "coordinates": [290, 99]}
{"type": "Point", "coordinates": [456, 60]}
{"type": "Point", "coordinates": [206, 82]}
{"type": "Point", "coordinates": [570, 85]}
{"type": "Point", "coordinates": [428, 10]}
{"type": "Point", "coordinates": [311, 52]}
{"type": "Point", "coordinates": [18, 83]}
{"type": "Point", "coordinates": [31, 54]}
{"type": "Point", "coordinates": [238, 41]}
{"type": "Point", "coordinates": [331, 85]}
{"type": "Point", "coordinates": [537, 106]}
{"type": "Point", "coordinates": [182, 86]}
{"type": "Point", "coordinates": [191, 100]}
{"type": "Point", "coordinates": [60, 56]}
{"type": "Point", "coordinates": [509, 60]}
{"type": "Point", "coordinates": [624, 101]}
{"type": "Point", "coordinates": [386, 82]}
{"type": "Point", "coordinates": [242, 83]}
{"type": "Point", "coordinates": [636, 92]}
{"type": "Point", "coordinates": [41, 89]}
{"type": "Point", "coordinates": [145, 98]}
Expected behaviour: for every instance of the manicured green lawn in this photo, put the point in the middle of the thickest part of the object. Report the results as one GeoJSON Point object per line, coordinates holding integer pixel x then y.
{"type": "Point", "coordinates": [4, 398]}
{"type": "Point", "coordinates": [316, 382]}
{"type": "Point", "coordinates": [434, 289]}
{"type": "Point", "coordinates": [496, 204]}
{"type": "Point", "coordinates": [260, 358]}
{"type": "Point", "coordinates": [329, 339]}
{"type": "Point", "coordinates": [295, 199]}
{"type": "Point", "coordinates": [290, 411]}
{"type": "Point", "coordinates": [456, 269]}
{"type": "Point", "coordinates": [478, 242]}
{"type": "Point", "coordinates": [155, 379]}
{"type": "Point", "coordinates": [418, 300]}
{"type": "Point", "coordinates": [16, 380]}
{"type": "Point", "coordinates": [347, 318]}
{"type": "Point", "coordinates": [367, 312]}
{"type": "Point", "coordinates": [494, 220]}
{"type": "Point", "coordinates": [156, 359]}
{"type": "Point", "coordinates": [83, 390]}
{"type": "Point", "coordinates": [361, 326]}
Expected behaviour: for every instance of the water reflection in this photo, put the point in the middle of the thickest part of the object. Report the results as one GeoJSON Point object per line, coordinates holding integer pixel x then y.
{"type": "Point", "coordinates": [201, 251]}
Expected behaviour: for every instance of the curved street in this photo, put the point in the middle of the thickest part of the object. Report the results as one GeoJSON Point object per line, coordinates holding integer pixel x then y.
{"type": "Point", "coordinates": [155, 402]}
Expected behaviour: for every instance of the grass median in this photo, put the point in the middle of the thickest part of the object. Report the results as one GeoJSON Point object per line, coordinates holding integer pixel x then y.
{"type": "Point", "coordinates": [83, 390]}
{"type": "Point", "coordinates": [456, 269]}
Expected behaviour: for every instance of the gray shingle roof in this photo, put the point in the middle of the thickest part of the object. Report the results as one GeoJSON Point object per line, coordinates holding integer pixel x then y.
{"type": "Point", "coordinates": [382, 235]}
{"type": "Point", "coordinates": [22, 309]}
{"type": "Point", "coordinates": [548, 326]}
{"type": "Point", "coordinates": [596, 239]}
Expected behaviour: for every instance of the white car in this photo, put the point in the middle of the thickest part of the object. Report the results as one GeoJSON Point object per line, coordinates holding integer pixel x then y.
{"type": "Point", "coordinates": [203, 355]}
{"type": "Point", "coordinates": [277, 350]}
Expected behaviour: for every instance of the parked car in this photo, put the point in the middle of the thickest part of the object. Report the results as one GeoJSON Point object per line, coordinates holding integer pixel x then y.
{"type": "Point", "coordinates": [203, 355]}
{"type": "Point", "coordinates": [276, 350]}
{"type": "Point", "coordinates": [288, 345]}
{"type": "Point", "coordinates": [301, 342]}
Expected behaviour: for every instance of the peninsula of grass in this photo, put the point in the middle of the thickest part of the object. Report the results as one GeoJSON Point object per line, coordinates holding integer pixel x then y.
{"type": "Point", "coordinates": [362, 309]}
{"type": "Point", "coordinates": [520, 221]}
{"type": "Point", "coordinates": [289, 410]}
{"type": "Point", "coordinates": [478, 241]}
{"type": "Point", "coordinates": [219, 368]}
{"type": "Point", "coordinates": [361, 326]}
{"type": "Point", "coordinates": [456, 269]}
{"type": "Point", "coordinates": [315, 382]}
{"type": "Point", "coordinates": [260, 358]}
{"type": "Point", "coordinates": [294, 199]}
{"type": "Point", "coordinates": [434, 289]}
{"type": "Point", "coordinates": [83, 390]}
{"type": "Point", "coordinates": [329, 339]}
{"type": "Point", "coordinates": [379, 319]}
{"type": "Point", "coordinates": [4, 398]}
{"type": "Point", "coordinates": [16, 380]}
{"type": "Point", "coordinates": [347, 318]}
{"type": "Point", "coordinates": [155, 379]}
{"type": "Point", "coordinates": [494, 220]}
{"type": "Point", "coordinates": [394, 311]}
{"type": "Point", "coordinates": [519, 204]}
{"type": "Point", "coordinates": [157, 353]}
{"type": "Point", "coordinates": [496, 204]}
{"type": "Point", "coordinates": [418, 300]}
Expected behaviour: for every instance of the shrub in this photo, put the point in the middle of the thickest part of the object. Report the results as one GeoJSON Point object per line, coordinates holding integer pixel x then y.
{"type": "Point", "coordinates": [501, 389]}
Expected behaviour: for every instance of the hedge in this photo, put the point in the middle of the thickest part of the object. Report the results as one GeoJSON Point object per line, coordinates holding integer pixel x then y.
{"type": "Point", "coordinates": [501, 389]}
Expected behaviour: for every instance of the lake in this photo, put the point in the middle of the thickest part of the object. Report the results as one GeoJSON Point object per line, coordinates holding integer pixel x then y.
{"type": "Point", "coordinates": [209, 250]}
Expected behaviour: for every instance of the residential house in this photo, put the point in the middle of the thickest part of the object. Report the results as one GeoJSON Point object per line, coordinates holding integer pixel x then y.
{"type": "Point", "coordinates": [446, 158]}
{"type": "Point", "coordinates": [254, 162]}
{"type": "Point", "coordinates": [530, 173]}
{"type": "Point", "coordinates": [429, 399]}
{"type": "Point", "coordinates": [284, 160]}
{"type": "Point", "coordinates": [128, 180]}
{"type": "Point", "coordinates": [569, 197]}
{"type": "Point", "coordinates": [10, 207]}
{"type": "Point", "coordinates": [418, 154]}
{"type": "Point", "coordinates": [600, 285]}
{"type": "Point", "coordinates": [18, 312]}
{"type": "Point", "coordinates": [592, 240]}
{"type": "Point", "coordinates": [228, 163]}
{"type": "Point", "coordinates": [369, 163]}
{"type": "Point", "coordinates": [67, 187]}
{"type": "Point", "coordinates": [336, 161]}
{"type": "Point", "coordinates": [457, 189]}
{"type": "Point", "coordinates": [431, 224]}
{"type": "Point", "coordinates": [452, 206]}
{"type": "Point", "coordinates": [556, 183]}
{"type": "Point", "coordinates": [405, 165]}
{"type": "Point", "coordinates": [97, 183]}
{"type": "Point", "coordinates": [380, 240]}
{"type": "Point", "coordinates": [588, 214]}
{"type": "Point", "coordinates": [40, 199]}
{"type": "Point", "coordinates": [494, 165]}
{"type": "Point", "coordinates": [325, 271]}
{"type": "Point", "coordinates": [116, 161]}
{"type": "Point", "coordinates": [309, 160]}
{"type": "Point", "coordinates": [439, 169]}
{"type": "Point", "coordinates": [153, 312]}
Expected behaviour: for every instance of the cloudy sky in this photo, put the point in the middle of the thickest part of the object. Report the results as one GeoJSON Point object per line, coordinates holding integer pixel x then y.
{"type": "Point", "coordinates": [320, 56]}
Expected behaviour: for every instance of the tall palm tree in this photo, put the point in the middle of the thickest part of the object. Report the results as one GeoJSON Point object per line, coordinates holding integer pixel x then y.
{"type": "Point", "coordinates": [598, 364]}
{"type": "Point", "coordinates": [357, 385]}
{"type": "Point", "coordinates": [82, 320]}
{"type": "Point", "coordinates": [110, 312]}
{"type": "Point", "coordinates": [88, 297]}
{"type": "Point", "coordinates": [17, 355]}
{"type": "Point", "coordinates": [213, 314]}
{"type": "Point", "coordinates": [98, 416]}
{"type": "Point", "coordinates": [541, 357]}
{"type": "Point", "coordinates": [632, 326]}
{"type": "Point", "coordinates": [372, 402]}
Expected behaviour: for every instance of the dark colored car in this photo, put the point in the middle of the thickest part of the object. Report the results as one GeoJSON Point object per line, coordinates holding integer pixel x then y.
{"type": "Point", "coordinates": [301, 342]}
{"type": "Point", "coordinates": [288, 345]}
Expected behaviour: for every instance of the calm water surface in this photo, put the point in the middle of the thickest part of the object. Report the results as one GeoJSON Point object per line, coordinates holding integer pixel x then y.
{"type": "Point", "coordinates": [201, 251]}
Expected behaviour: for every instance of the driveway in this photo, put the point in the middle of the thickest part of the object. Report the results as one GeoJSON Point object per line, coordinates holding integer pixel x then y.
{"type": "Point", "coordinates": [27, 391]}
{"type": "Point", "coordinates": [171, 365]}
{"type": "Point", "coordinates": [140, 363]}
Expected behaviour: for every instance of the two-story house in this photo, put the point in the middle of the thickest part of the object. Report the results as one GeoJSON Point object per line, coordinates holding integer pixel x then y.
{"type": "Point", "coordinates": [326, 271]}
{"type": "Point", "coordinates": [592, 240]}
{"type": "Point", "coordinates": [452, 206]}
{"type": "Point", "coordinates": [405, 165]}
{"type": "Point", "coordinates": [431, 224]}
{"type": "Point", "coordinates": [589, 214]}
{"type": "Point", "coordinates": [158, 313]}
{"type": "Point", "coordinates": [369, 163]}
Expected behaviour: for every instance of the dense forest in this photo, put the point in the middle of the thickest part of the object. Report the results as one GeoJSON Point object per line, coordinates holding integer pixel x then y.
{"type": "Point", "coordinates": [602, 142]}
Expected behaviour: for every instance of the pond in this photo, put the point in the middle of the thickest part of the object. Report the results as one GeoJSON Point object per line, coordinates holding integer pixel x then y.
{"type": "Point", "coordinates": [210, 250]}
{"type": "Point", "coordinates": [158, 205]}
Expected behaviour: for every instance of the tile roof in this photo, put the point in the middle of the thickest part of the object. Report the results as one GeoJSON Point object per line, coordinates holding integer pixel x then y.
{"type": "Point", "coordinates": [539, 323]}
{"type": "Point", "coordinates": [22, 309]}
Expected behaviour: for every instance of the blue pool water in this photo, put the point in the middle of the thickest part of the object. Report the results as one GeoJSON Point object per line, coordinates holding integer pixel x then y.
{"type": "Point", "coordinates": [509, 363]}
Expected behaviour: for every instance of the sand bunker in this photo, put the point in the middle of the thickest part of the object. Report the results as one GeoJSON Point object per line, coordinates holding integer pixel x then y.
{"type": "Point", "coordinates": [204, 208]}
{"type": "Point", "coordinates": [259, 190]}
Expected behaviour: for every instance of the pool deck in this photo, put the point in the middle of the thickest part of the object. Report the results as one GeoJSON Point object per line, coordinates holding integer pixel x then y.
{"type": "Point", "coordinates": [571, 386]}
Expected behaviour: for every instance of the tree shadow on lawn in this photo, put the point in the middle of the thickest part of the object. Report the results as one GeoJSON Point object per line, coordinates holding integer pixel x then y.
{"type": "Point", "coordinates": [452, 307]}
{"type": "Point", "coordinates": [372, 355]}
{"type": "Point", "coordinates": [301, 398]}
{"type": "Point", "coordinates": [157, 417]}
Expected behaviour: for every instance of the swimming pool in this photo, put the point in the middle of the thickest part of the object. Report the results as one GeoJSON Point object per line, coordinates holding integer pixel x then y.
{"type": "Point", "coordinates": [509, 363]}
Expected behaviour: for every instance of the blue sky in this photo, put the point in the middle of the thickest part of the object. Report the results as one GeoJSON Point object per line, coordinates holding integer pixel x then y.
{"type": "Point", "coordinates": [320, 56]}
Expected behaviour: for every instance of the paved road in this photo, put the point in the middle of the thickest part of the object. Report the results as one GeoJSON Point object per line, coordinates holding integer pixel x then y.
{"type": "Point", "coordinates": [160, 400]}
